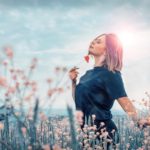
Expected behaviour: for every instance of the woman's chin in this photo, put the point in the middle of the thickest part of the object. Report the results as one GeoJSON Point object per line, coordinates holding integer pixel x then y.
{"type": "Point", "coordinates": [90, 52]}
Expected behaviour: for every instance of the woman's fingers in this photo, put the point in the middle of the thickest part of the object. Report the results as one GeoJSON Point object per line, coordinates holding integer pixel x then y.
{"type": "Point", "coordinates": [73, 73]}
{"type": "Point", "coordinates": [73, 69]}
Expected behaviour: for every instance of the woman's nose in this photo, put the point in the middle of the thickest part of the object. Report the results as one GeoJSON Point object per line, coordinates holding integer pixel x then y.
{"type": "Point", "coordinates": [92, 43]}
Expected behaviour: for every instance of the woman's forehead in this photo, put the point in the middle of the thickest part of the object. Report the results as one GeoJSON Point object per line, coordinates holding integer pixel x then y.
{"type": "Point", "coordinates": [100, 37]}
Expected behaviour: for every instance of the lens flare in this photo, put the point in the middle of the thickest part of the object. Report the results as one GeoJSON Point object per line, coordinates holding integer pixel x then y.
{"type": "Point", "coordinates": [126, 38]}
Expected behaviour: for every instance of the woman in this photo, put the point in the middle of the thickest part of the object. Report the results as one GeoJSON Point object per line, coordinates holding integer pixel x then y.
{"type": "Point", "coordinates": [99, 87]}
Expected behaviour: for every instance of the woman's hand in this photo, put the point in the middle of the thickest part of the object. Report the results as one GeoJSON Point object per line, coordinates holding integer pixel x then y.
{"type": "Point", "coordinates": [143, 122]}
{"type": "Point", "coordinates": [79, 116]}
{"type": "Point", "coordinates": [73, 73]}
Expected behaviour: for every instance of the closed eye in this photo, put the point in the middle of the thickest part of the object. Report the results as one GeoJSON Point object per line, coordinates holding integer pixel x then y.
{"type": "Point", "coordinates": [98, 41]}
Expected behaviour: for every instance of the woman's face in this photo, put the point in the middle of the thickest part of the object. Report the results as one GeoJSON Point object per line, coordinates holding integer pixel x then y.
{"type": "Point", "coordinates": [98, 46]}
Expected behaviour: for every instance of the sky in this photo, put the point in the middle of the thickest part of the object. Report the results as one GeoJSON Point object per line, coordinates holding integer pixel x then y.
{"type": "Point", "coordinates": [59, 32]}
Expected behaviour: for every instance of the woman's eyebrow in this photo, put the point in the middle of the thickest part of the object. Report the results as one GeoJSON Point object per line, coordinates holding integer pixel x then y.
{"type": "Point", "coordinates": [98, 39]}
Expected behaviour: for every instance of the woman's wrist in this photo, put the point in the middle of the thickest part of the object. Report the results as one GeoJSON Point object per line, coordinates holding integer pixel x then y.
{"type": "Point", "coordinates": [74, 81]}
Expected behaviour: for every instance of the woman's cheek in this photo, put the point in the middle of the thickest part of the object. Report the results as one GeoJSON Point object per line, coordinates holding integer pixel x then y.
{"type": "Point", "coordinates": [97, 49]}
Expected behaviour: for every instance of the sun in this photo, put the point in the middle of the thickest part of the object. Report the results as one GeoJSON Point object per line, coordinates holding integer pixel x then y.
{"type": "Point", "coordinates": [127, 38]}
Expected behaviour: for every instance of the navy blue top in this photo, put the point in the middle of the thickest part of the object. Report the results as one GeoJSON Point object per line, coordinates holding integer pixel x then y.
{"type": "Point", "coordinates": [97, 90]}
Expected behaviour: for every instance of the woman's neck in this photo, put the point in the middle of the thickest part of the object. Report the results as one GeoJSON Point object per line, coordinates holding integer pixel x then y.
{"type": "Point", "coordinates": [99, 60]}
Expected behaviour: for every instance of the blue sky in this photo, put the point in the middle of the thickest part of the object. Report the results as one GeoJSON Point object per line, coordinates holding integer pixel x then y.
{"type": "Point", "coordinates": [59, 32]}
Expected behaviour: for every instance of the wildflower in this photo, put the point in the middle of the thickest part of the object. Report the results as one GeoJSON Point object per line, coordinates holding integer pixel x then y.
{"type": "Point", "coordinates": [11, 90]}
{"type": "Point", "coordinates": [85, 126]}
{"type": "Point", "coordinates": [29, 117]}
{"type": "Point", "coordinates": [29, 96]}
{"type": "Point", "coordinates": [145, 141]}
{"type": "Point", "coordinates": [7, 94]}
{"type": "Point", "coordinates": [3, 81]}
{"type": "Point", "coordinates": [50, 92]}
{"type": "Point", "coordinates": [43, 116]}
{"type": "Point", "coordinates": [29, 147]}
{"type": "Point", "coordinates": [17, 84]}
{"type": "Point", "coordinates": [57, 69]}
{"type": "Point", "coordinates": [24, 130]}
{"type": "Point", "coordinates": [5, 63]}
{"type": "Point", "coordinates": [14, 77]}
{"type": "Point", "coordinates": [146, 133]}
{"type": "Point", "coordinates": [91, 135]}
{"type": "Point", "coordinates": [148, 138]}
{"type": "Point", "coordinates": [49, 80]}
{"type": "Point", "coordinates": [94, 128]}
{"type": "Point", "coordinates": [102, 124]}
{"type": "Point", "coordinates": [101, 136]}
{"type": "Point", "coordinates": [128, 145]}
{"type": "Point", "coordinates": [12, 70]}
{"type": "Point", "coordinates": [113, 131]}
{"type": "Point", "coordinates": [131, 124]}
{"type": "Point", "coordinates": [18, 71]}
{"type": "Point", "coordinates": [27, 83]}
{"type": "Point", "coordinates": [64, 69]}
{"type": "Point", "coordinates": [80, 143]}
{"type": "Point", "coordinates": [34, 89]}
{"type": "Point", "coordinates": [46, 147]}
{"type": "Point", "coordinates": [105, 134]}
{"type": "Point", "coordinates": [130, 137]}
{"type": "Point", "coordinates": [123, 139]}
{"type": "Point", "coordinates": [97, 133]}
{"type": "Point", "coordinates": [87, 58]}
{"type": "Point", "coordinates": [99, 148]}
{"type": "Point", "coordinates": [56, 147]}
{"type": "Point", "coordinates": [24, 77]}
{"type": "Point", "coordinates": [90, 148]}
{"type": "Point", "coordinates": [140, 148]}
{"type": "Point", "coordinates": [87, 145]}
{"type": "Point", "coordinates": [103, 130]}
{"type": "Point", "coordinates": [146, 104]}
{"type": "Point", "coordinates": [33, 63]}
{"type": "Point", "coordinates": [85, 136]}
{"type": "Point", "coordinates": [60, 90]}
{"type": "Point", "coordinates": [85, 141]}
{"type": "Point", "coordinates": [93, 116]}
{"type": "Point", "coordinates": [78, 129]}
{"type": "Point", "coordinates": [68, 87]}
{"type": "Point", "coordinates": [34, 86]}
{"type": "Point", "coordinates": [17, 113]}
{"type": "Point", "coordinates": [1, 126]}
{"type": "Point", "coordinates": [9, 52]}
{"type": "Point", "coordinates": [109, 140]}
{"type": "Point", "coordinates": [33, 83]}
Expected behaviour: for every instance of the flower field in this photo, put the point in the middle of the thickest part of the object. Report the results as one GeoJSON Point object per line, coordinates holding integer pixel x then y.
{"type": "Point", "coordinates": [35, 129]}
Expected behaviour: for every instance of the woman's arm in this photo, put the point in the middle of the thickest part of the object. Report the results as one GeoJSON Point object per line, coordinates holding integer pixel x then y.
{"type": "Point", "coordinates": [73, 73]}
{"type": "Point", "coordinates": [128, 107]}
{"type": "Point", "coordinates": [73, 89]}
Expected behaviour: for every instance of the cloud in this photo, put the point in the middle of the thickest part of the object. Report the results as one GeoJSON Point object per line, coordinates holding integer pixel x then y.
{"type": "Point", "coordinates": [59, 33]}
